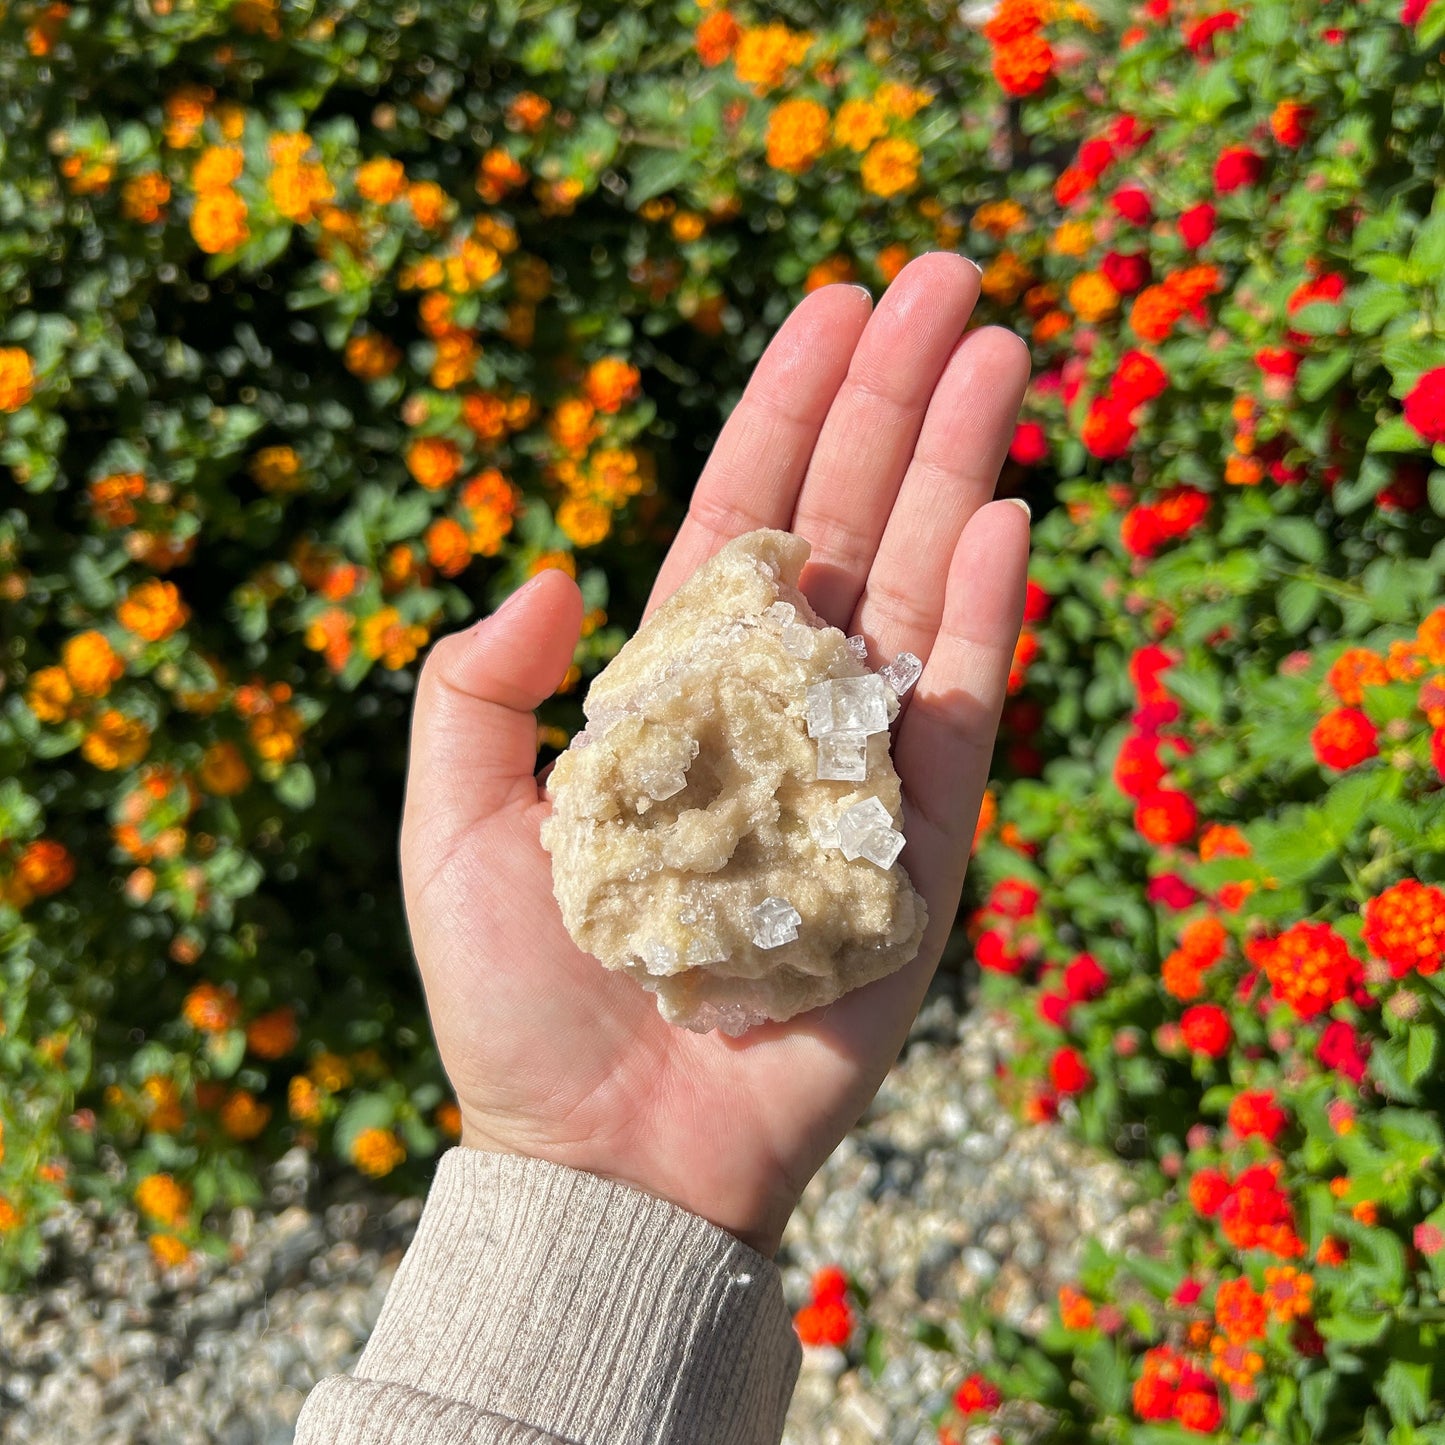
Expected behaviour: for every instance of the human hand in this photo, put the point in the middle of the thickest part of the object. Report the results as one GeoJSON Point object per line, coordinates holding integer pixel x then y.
{"type": "Point", "coordinates": [878, 436]}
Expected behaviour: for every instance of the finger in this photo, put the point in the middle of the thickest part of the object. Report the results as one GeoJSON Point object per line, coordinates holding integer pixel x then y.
{"type": "Point", "coordinates": [955, 467]}
{"type": "Point", "coordinates": [757, 464]}
{"type": "Point", "coordinates": [872, 427]}
{"type": "Point", "coordinates": [945, 741]}
{"type": "Point", "coordinates": [473, 737]}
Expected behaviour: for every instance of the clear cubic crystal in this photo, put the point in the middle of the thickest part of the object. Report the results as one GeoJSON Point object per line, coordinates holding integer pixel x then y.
{"type": "Point", "coordinates": [843, 757]}
{"type": "Point", "coordinates": [858, 646]}
{"type": "Point", "coordinates": [775, 922]}
{"type": "Point", "coordinates": [658, 957]}
{"type": "Point", "coordinates": [799, 639]}
{"type": "Point", "coordinates": [819, 709]}
{"type": "Point", "coordinates": [660, 786]}
{"type": "Point", "coordinates": [866, 831]}
{"type": "Point", "coordinates": [860, 704]}
{"type": "Point", "coordinates": [705, 948]}
{"type": "Point", "coordinates": [902, 673]}
{"type": "Point", "coordinates": [782, 613]}
{"type": "Point", "coordinates": [824, 831]}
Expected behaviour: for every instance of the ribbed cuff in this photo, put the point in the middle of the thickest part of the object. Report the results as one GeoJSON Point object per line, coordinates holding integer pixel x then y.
{"type": "Point", "coordinates": [585, 1309]}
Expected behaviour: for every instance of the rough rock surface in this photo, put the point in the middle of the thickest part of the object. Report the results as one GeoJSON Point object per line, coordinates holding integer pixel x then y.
{"type": "Point", "coordinates": [937, 1196]}
{"type": "Point", "coordinates": [697, 833]}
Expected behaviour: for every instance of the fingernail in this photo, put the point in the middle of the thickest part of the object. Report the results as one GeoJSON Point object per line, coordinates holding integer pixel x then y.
{"type": "Point", "coordinates": [1022, 505]}
{"type": "Point", "coordinates": [866, 292]}
{"type": "Point", "coordinates": [974, 264]}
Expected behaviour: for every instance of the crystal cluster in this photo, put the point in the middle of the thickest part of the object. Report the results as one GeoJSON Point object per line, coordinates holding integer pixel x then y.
{"type": "Point", "coordinates": [724, 830]}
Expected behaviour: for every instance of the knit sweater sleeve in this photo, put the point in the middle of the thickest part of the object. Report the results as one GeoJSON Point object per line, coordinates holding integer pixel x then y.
{"type": "Point", "coordinates": [540, 1304]}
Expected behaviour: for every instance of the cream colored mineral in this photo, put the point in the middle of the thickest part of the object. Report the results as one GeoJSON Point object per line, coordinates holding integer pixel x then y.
{"type": "Point", "coordinates": [727, 826]}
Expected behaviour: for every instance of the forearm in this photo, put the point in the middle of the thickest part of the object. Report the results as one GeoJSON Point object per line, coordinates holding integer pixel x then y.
{"type": "Point", "coordinates": [539, 1302]}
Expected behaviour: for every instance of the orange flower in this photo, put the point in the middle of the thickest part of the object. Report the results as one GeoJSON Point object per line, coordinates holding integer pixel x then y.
{"type": "Point", "coordinates": [168, 1250]}
{"type": "Point", "coordinates": [10, 1216]}
{"type": "Point", "coordinates": [891, 260]}
{"type": "Point", "coordinates": [610, 383]}
{"type": "Point", "coordinates": [223, 771]}
{"type": "Point", "coordinates": [999, 218]}
{"type": "Point", "coordinates": [49, 694]}
{"type": "Point", "coordinates": [1309, 966]}
{"type": "Point", "coordinates": [273, 1035]}
{"type": "Point", "coordinates": [45, 867]}
{"type": "Point", "coordinates": [428, 202]}
{"type": "Point", "coordinates": [217, 168]}
{"type": "Point", "coordinates": [1220, 840]}
{"type": "Point", "coordinates": [716, 37]}
{"type": "Point", "coordinates": [17, 378]}
{"type": "Point", "coordinates": [765, 54]}
{"type": "Point", "coordinates": [573, 426]}
{"type": "Point", "coordinates": [218, 222]}
{"type": "Point", "coordinates": [380, 181]}
{"type": "Point", "coordinates": [113, 498]}
{"type": "Point", "coordinates": [243, 1116]}
{"type": "Point", "coordinates": [330, 1072]}
{"type": "Point", "coordinates": [160, 1197]}
{"type": "Point", "coordinates": [449, 1120]}
{"type": "Point", "coordinates": [1073, 238]}
{"type": "Point", "coordinates": [153, 610]}
{"type": "Point", "coordinates": [376, 1152]}
{"type": "Point", "coordinates": [1093, 297]}
{"type": "Point", "coordinates": [498, 173]}
{"type": "Point", "coordinates": [1076, 1312]}
{"type": "Point", "coordinates": [562, 561]}
{"type": "Point", "coordinates": [277, 470]}
{"type": "Point", "coordinates": [185, 114]}
{"type": "Point", "coordinates": [162, 1103]}
{"type": "Point", "coordinates": [585, 521]}
{"type": "Point", "coordinates": [116, 741]}
{"type": "Point", "coordinates": [371, 357]}
{"type": "Point", "coordinates": [303, 1100]}
{"type": "Point", "coordinates": [1287, 1292]}
{"type": "Point", "coordinates": [91, 663]}
{"type": "Point", "coordinates": [858, 124]}
{"type": "Point", "coordinates": [275, 734]}
{"type": "Point", "coordinates": [298, 189]}
{"type": "Point", "coordinates": [384, 637]}
{"type": "Point", "coordinates": [1431, 637]}
{"type": "Point", "coordinates": [447, 547]}
{"type": "Point", "coordinates": [1240, 1312]}
{"type": "Point", "coordinates": [797, 135]}
{"type": "Point", "coordinates": [144, 197]}
{"type": "Point", "coordinates": [901, 101]}
{"type": "Point", "coordinates": [211, 1009]}
{"type": "Point", "coordinates": [1024, 65]}
{"type": "Point", "coordinates": [528, 111]}
{"type": "Point", "coordinates": [829, 272]}
{"type": "Point", "coordinates": [433, 461]}
{"type": "Point", "coordinates": [890, 167]}
{"type": "Point", "coordinates": [491, 503]}
{"type": "Point", "coordinates": [1004, 278]}
{"type": "Point", "coordinates": [1353, 671]}
{"type": "Point", "coordinates": [1182, 977]}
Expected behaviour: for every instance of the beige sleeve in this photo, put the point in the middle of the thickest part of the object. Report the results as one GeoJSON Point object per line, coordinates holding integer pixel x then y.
{"type": "Point", "coordinates": [540, 1304]}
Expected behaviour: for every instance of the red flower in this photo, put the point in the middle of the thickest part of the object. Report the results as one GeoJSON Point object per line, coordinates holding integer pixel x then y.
{"type": "Point", "coordinates": [1309, 967]}
{"type": "Point", "coordinates": [1108, 430]}
{"type": "Point", "coordinates": [1413, 11]}
{"type": "Point", "coordinates": [1258, 1214]}
{"type": "Point", "coordinates": [828, 1322]}
{"type": "Point", "coordinates": [1146, 671]}
{"type": "Point", "coordinates": [1068, 1072]}
{"type": "Point", "coordinates": [1030, 444]}
{"type": "Point", "coordinates": [1166, 816]}
{"type": "Point", "coordinates": [977, 1396]}
{"type": "Point", "coordinates": [1013, 898]}
{"type": "Point", "coordinates": [829, 1283]}
{"type": "Point", "coordinates": [1340, 1048]}
{"type": "Point", "coordinates": [1127, 272]}
{"type": "Point", "coordinates": [1290, 123]}
{"type": "Point", "coordinates": [1138, 378]}
{"type": "Point", "coordinates": [1409, 490]}
{"type": "Point", "coordinates": [1437, 751]}
{"type": "Point", "coordinates": [1070, 185]}
{"type": "Point", "coordinates": [1036, 602]}
{"type": "Point", "coordinates": [1199, 36]}
{"type": "Point", "coordinates": [1425, 405]}
{"type": "Point", "coordinates": [1237, 166]}
{"type": "Point", "coordinates": [1084, 979]}
{"type": "Point", "coordinates": [1429, 1239]}
{"type": "Point", "coordinates": [1208, 1190]}
{"type": "Point", "coordinates": [1095, 157]}
{"type": "Point", "coordinates": [1053, 1008]}
{"type": "Point", "coordinates": [1196, 225]}
{"type": "Point", "coordinates": [1138, 769]}
{"type": "Point", "coordinates": [1133, 204]}
{"type": "Point", "coordinates": [1254, 1114]}
{"type": "Point", "coordinates": [1140, 532]}
{"type": "Point", "coordinates": [1169, 890]}
{"type": "Point", "coordinates": [1405, 927]}
{"type": "Point", "coordinates": [1344, 738]}
{"type": "Point", "coordinates": [1207, 1030]}
{"type": "Point", "coordinates": [993, 953]}
{"type": "Point", "coordinates": [1278, 361]}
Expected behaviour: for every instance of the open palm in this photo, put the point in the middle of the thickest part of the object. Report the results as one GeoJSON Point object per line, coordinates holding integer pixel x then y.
{"type": "Point", "coordinates": [877, 435]}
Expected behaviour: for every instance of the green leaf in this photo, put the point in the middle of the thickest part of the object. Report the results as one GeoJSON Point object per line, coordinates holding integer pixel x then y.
{"type": "Point", "coordinates": [1420, 1046]}
{"type": "Point", "coordinates": [1315, 1394]}
{"type": "Point", "coordinates": [225, 1051]}
{"type": "Point", "coordinates": [1320, 373]}
{"type": "Point", "coordinates": [1296, 604]}
{"type": "Point", "coordinates": [296, 787]}
{"type": "Point", "coordinates": [362, 1112]}
{"type": "Point", "coordinates": [1395, 435]}
{"type": "Point", "coordinates": [654, 171]}
{"type": "Point", "coordinates": [1299, 535]}
{"type": "Point", "coordinates": [1405, 1390]}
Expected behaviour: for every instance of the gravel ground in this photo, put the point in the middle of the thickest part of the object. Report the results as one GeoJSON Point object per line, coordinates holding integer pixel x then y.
{"type": "Point", "coordinates": [935, 1196]}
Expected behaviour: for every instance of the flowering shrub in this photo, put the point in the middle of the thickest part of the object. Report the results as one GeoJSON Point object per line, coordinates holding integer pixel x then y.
{"type": "Point", "coordinates": [323, 328]}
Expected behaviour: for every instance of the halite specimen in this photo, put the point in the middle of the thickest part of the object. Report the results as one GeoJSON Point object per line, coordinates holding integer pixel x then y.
{"type": "Point", "coordinates": [767, 882]}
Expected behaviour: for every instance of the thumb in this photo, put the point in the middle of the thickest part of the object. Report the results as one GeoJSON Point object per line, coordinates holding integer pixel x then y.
{"type": "Point", "coordinates": [473, 735]}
